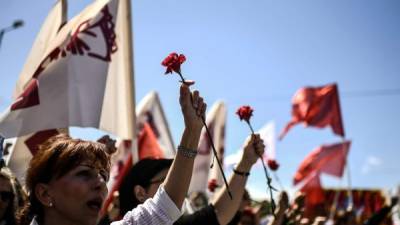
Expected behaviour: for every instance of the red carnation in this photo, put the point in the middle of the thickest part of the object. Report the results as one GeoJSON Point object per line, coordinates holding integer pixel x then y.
{"type": "Point", "coordinates": [273, 164]}
{"type": "Point", "coordinates": [173, 62]}
{"type": "Point", "coordinates": [245, 112]}
{"type": "Point", "coordinates": [212, 185]}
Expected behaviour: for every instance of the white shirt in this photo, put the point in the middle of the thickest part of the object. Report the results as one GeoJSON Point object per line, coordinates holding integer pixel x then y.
{"type": "Point", "coordinates": [154, 211]}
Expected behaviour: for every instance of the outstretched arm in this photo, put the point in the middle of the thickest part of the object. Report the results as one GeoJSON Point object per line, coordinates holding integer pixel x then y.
{"type": "Point", "coordinates": [180, 173]}
{"type": "Point", "coordinates": [225, 208]}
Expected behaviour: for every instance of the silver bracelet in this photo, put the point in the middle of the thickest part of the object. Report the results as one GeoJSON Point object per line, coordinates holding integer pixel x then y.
{"type": "Point", "coordinates": [189, 153]}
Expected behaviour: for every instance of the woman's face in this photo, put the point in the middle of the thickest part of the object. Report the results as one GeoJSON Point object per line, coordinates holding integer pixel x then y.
{"type": "Point", "coordinates": [78, 195]}
{"type": "Point", "coordinates": [6, 196]}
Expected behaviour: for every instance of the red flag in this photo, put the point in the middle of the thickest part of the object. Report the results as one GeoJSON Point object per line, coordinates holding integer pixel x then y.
{"type": "Point", "coordinates": [148, 144]}
{"type": "Point", "coordinates": [317, 107]}
{"type": "Point", "coordinates": [148, 147]}
{"type": "Point", "coordinates": [313, 190]}
{"type": "Point", "coordinates": [123, 170]}
{"type": "Point", "coordinates": [329, 159]}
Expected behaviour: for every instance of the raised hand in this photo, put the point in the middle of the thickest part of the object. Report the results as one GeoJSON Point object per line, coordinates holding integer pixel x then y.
{"type": "Point", "coordinates": [253, 149]}
{"type": "Point", "coordinates": [193, 108]}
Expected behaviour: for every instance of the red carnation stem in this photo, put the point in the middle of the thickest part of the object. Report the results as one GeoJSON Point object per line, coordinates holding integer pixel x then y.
{"type": "Point", "coordinates": [216, 157]}
{"type": "Point", "coordinates": [269, 180]}
{"type": "Point", "coordinates": [182, 79]}
{"type": "Point", "coordinates": [212, 146]}
{"type": "Point", "coordinates": [251, 128]}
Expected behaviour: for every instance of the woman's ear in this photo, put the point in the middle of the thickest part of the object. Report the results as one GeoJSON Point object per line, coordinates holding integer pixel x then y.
{"type": "Point", "coordinates": [140, 193]}
{"type": "Point", "coordinates": [42, 194]}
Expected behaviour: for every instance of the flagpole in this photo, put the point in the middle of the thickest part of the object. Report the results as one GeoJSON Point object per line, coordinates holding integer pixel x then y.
{"type": "Point", "coordinates": [349, 186]}
{"type": "Point", "coordinates": [125, 6]}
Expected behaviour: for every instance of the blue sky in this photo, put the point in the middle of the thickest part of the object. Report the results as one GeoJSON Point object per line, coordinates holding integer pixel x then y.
{"type": "Point", "coordinates": [259, 53]}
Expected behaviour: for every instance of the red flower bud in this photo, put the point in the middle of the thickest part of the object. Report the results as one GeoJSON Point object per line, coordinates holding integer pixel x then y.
{"type": "Point", "coordinates": [212, 185]}
{"type": "Point", "coordinates": [273, 164]}
{"type": "Point", "coordinates": [173, 62]}
{"type": "Point", "coordinates": [245, 112]}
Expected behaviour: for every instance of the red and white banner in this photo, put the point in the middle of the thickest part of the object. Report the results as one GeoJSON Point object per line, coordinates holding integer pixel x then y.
{"type": "Point", "coordinates": [216, 120]}
{"type": "Point", "coordinates": [21, 149]}
{"type": "Point", "coordinates": [55, 20]}
{"type": "Point", "coordinates": [84, 78]}
{"type": "Point", "coordinates": [150, 114]}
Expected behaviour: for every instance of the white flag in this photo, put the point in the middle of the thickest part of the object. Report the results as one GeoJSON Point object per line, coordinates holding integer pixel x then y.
{"type": "Point", "coordinates": [267, 133]}
{"type": "Point", "coordinates": [216, 120]}
{"type": "Point", "coordinates": [84, 79]}
{"type": "Point", "coordinates": [20, 149]}
{"type": "Point", "coordinates": [55, 20]}
{"type": "Point", "coordinates": [150, 111]}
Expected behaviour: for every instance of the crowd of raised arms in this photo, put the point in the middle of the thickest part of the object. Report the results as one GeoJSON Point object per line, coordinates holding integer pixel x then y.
{"type": "Point", "coordinates": [66, 181]}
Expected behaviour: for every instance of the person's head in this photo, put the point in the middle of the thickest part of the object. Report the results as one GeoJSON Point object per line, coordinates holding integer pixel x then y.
{"type": "Point", "coordinates": [198, 199]}
{"type": "Point", "coordinates": [142, 182]}
{"type": "Point", "coordinates": [66, 179]}
{"type": "Point", "coordinates": [248, 217]}
{"type": "Point", "coordinates": [246, 201]}
{"type": "Point", "coordinates": [8, 196]}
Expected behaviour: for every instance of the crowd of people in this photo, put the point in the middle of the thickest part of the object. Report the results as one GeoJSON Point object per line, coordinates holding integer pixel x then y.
{"type": "Point", "coordinates": [66, 184]}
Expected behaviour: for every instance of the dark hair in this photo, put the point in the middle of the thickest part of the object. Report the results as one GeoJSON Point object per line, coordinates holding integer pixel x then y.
{"type": "Point", "coordinates": [14, 203]}
{"type": "Point", "coordinates": [55, 158]}
{"type": "Point", "coordinates": [140, 174]}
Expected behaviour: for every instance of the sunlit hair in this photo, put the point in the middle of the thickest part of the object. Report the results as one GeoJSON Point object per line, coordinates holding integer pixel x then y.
{"type": "Point", "coordinates": [54, 159]}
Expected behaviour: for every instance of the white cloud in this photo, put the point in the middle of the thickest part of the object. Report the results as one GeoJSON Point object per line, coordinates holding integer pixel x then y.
{"type": "Point", "coordinates": [371, 163]}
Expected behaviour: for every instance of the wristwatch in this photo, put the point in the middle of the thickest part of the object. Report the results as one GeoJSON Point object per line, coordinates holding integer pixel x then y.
{"type": "Point", "coordinates": [187, 152]}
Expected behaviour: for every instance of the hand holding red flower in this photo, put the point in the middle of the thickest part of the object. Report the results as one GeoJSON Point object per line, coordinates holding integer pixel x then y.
{"type": "Point", "coordinates": [193, 108]}
{"type": "Point", "coordinates": [195, 104]}
{"type": "Point", "coordinates": [244, 113]}
{"type": "Point", "coordinates": [253, 148]}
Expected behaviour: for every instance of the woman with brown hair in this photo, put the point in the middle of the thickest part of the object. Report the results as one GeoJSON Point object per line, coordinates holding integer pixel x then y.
{"type": "Point", "coordinates": [11, 197]}
{"type": "Point", "coordinates": [67, 177]}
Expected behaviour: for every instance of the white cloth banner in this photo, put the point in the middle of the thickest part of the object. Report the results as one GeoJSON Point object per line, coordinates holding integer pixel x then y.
{"type": "Point", "coordinates": [267, 133]}
{"type": "Point", "coordinates": [150, 111]}
{"type": "Point", "coordinates": [20, 149]}
{"type": "Point", "coordinates": [84, 79]}
{"type": "Point", "coordinates": [216, 120]}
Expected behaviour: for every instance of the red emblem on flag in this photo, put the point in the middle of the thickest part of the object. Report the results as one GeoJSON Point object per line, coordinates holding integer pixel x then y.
{"type": "Point", "coordinates": [39, 138]}
{"type": "Point", "coordinates": [76, 46]}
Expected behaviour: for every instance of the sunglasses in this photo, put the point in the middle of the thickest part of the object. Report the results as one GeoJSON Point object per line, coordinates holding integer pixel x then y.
{"type": "Point", "coordinates": [6, 195]}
